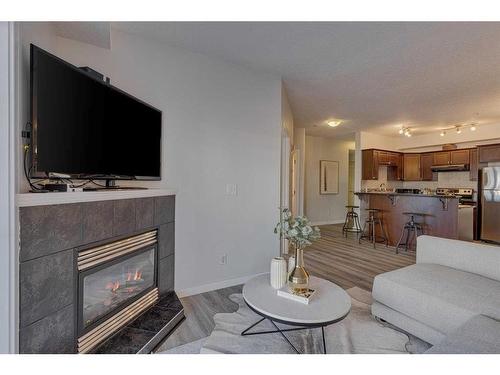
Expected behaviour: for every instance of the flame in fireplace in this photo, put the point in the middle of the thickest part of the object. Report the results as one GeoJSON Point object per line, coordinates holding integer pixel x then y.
{"type": "Point", "coordinates": [113, 286]}
{"type": "Point", "coordinates": [138, 275]}
{"type": "Point", "coordinates": [134, 276]}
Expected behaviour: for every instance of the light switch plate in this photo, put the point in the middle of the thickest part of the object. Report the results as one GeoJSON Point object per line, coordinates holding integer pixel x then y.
{"type": "Point", "coordinates": [231, 189]}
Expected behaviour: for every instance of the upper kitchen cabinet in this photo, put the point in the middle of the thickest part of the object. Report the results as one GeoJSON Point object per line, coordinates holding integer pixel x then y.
{"type": "Point", "coordinates": [489, 153]}
{"type": "Point", "coordinates": [369, 168]}
{"type": "Point", "coordinates": [426, 162]}
{"type": "Point", "coordinates": [473, 172]}
{"type": "Point", "coordinates": [372, 159]}
{"type": "Point", "coordinates": [442, 158]}
{"type": "Point", "coordinates": [460, 157]}
{"type": "Point", "coordinates": [452, 157]}
{"type": "Point", "coordinates": [388, 158]}
{"type": "Point", "coordinates": [411, 167]}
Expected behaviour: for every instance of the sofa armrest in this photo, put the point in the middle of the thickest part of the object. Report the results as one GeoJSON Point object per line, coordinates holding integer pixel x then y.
{"type": "Point", "coordinates": [466, 256]}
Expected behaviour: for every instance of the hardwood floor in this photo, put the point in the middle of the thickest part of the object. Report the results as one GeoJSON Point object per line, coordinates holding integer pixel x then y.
{"type": "Point", "coordinates": [199, 311]}
{"type": "Point", "coordinates": [335, 258]}
{"type": "Point", "coordinates": [347, 263]}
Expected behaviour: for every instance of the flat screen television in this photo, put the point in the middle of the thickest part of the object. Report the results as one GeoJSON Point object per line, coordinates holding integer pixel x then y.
{"type": "Point", "coordinates": [86, 128]}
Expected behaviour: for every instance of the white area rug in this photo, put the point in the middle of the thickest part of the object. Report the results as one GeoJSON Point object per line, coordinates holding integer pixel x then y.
{"type": "Point", "coordinates": [359, 332]}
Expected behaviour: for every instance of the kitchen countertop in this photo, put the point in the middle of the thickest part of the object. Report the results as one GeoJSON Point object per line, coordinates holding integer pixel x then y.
{"type": "Point", "coordinates": [406, 194]}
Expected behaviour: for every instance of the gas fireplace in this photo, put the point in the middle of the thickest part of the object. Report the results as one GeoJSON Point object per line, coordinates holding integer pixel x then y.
{"type": "Point", "coordinates": [116, 283]}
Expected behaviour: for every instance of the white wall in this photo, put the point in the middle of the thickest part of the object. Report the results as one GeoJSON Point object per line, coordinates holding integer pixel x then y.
{"type": "Point", "coordinates": [371, 140]}
{"type": "Point", "coordinates": [221, 125]}
{"type": "Point", "coordinates": [326, 209]}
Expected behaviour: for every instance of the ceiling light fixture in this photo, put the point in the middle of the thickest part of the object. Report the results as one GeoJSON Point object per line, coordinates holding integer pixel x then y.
{"type": "Point", "coordinates": [405, 131]}
{"type": "Point", "coordinates": [458, 128]}
{"type": "Point", "coordinates": [334, 123]}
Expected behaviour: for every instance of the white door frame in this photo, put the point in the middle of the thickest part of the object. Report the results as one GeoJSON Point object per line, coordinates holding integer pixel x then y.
{"type": "Point", "coordinates": [295, 182]}
{"type": "Point", "coordinates": [284, 180]}
{"type": "Point", "coordinates": [8, 265]}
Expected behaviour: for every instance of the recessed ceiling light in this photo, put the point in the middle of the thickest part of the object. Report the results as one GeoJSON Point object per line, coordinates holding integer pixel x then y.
{"type": "Point", "coordinates": [334, 123]}
{"type": "Point", "coordinates": [442, 134]}
{"type": "Point", "coordinates": [459, 130]}
{"type": "Point", "coordinates": [473, 128]}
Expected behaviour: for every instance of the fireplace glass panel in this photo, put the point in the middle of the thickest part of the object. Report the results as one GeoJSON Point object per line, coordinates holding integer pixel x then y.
{"type": "Point", "coordinates": [107, 288]}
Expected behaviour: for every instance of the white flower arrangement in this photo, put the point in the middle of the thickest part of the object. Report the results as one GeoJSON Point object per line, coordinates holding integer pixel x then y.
{"type": "Point", "coordinates": [297, 230]}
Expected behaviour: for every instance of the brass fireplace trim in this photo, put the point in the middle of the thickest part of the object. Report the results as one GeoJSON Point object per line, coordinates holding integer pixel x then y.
{"type": "Point", "coordinates": [94, 337]}
{"type": "Point", "coordinates": [100, 254]}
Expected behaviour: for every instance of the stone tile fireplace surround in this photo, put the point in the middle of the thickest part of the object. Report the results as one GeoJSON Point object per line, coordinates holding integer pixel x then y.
{"type": "Point", "coordinates": [52, 236]}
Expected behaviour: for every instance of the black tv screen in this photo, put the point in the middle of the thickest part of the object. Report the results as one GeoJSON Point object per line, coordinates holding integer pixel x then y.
{"type": "Point", "coordinates": [86, 128]}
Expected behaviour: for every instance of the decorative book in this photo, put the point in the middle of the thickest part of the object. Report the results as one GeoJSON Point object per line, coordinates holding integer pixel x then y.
{"type": "Point", "coordinates": [302, 296]}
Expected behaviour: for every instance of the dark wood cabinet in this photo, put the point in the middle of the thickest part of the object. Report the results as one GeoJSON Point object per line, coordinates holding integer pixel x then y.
{"type": "Point", "coordinates": [397, 170]}
{"type": "Point", "coordinates": [473, 172]}
{"type": "Point", "coordinates": [460, 157]}
{"type": "Point", "coordinates": [418, 166]}
{"type": "Point", "coordinates": [383, 157]}
{"type": "Point", "coordinates": [411, 167]}
{"type": "Point", "coordinates": [426, 162]}
{"type": "Point", "coordinates": [369, 167]}
{"type": "Point", "coordinates": [442, 158]}
{"type": "Point", "coordinates": [372, 159]}
{"type": "Point", "coordinates": [451, 157]}
{"type": "Point", "coordinates": [489, 153]}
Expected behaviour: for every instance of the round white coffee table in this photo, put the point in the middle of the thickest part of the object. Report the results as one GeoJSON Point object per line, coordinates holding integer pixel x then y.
{"type": "Point", "coordinates": [329, 304]}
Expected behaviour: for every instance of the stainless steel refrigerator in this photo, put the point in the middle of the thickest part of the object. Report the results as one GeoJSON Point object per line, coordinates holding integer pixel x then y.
{"type": "Point", "coordinates": [490, 204]}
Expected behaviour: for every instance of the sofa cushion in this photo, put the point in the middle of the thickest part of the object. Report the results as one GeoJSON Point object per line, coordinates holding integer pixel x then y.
{"type": "Point", "coordinates": [461, 255]}
{"type": "Point", "coordinates": [441, 297]}
{"type": "Point", "coordinates": [479, 335]}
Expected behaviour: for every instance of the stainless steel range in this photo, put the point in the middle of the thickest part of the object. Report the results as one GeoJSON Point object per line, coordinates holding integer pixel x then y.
{"type": "Point", "coordinates": [466, 207]}
{"type": "Point", "coordinates": [465, 195]}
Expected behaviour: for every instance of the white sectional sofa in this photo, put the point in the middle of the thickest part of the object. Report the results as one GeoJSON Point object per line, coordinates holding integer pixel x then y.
{"type": "Point", "coordinates": [453, 291]}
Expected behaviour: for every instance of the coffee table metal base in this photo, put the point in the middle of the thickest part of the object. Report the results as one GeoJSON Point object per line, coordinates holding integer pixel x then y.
{"type": "Point", "coordinates": [281, 331]}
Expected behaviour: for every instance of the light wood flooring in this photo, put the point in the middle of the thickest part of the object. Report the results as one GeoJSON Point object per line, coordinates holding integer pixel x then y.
{"type": "Point", "coordinates": [335, 258]}
{"type": "Point", "coordinates": [347, 263]}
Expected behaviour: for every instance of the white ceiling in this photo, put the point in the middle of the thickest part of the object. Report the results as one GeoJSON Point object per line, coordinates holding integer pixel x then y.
{"type": "Point", "coordinates": [376, 76]}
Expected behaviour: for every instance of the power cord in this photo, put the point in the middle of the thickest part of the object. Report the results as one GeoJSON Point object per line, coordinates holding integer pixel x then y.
{"type": "Point", "coordinates": [28, 172]}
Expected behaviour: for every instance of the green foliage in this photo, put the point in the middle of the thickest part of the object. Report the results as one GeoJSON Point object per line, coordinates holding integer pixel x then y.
{"type": "Point", "coordinates": [297, 230]}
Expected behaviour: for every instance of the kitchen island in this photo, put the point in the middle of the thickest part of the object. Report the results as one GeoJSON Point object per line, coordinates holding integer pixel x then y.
{"type": "Point", "coordinates": [440, 212]}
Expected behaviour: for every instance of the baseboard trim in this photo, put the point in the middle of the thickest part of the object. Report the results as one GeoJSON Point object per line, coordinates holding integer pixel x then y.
{"type": "Point", "coordinates": [214, 286]}
{"type": "Point", "coordinates": [328, 222]}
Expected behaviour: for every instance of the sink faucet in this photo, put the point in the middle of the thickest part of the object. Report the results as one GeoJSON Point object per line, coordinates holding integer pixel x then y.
{"type": "Point", "coordinates": [383, 187]}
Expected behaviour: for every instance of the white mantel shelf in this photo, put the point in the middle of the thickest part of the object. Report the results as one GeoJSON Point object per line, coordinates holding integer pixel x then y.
{"type": "Point", "coordinates": [42, 199]}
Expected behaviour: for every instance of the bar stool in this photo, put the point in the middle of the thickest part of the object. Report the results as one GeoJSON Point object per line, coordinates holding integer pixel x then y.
{"type": "Point", "coordinates": [411, 229]}
{"type": "Point", "coordinates": [372, 221]}
{"type": "Point", "coordinates": [351, 223]}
